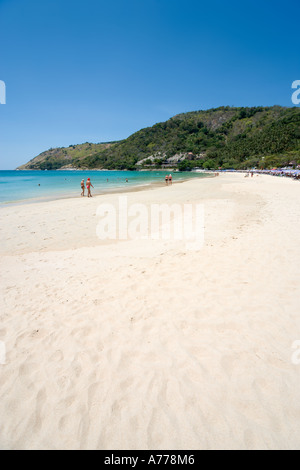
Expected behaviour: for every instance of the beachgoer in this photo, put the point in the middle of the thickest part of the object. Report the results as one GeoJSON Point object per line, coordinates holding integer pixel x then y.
{"type": "Point", "coordinates": [170, 179]}
{"type": "Point", "coordinates": [88, 187]}
{"type": "Point", "coordinates": [126, 180]}
{"type": "Point", "coordinates": [82, 187]}
{"type": "Point", "coordinates": [167, 179]}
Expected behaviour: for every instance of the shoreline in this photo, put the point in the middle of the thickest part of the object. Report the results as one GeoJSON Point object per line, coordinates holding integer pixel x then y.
{"type": "Point", "coordinates": [132, 188]}
{"type": "Point", "coordinates": [117, 190]}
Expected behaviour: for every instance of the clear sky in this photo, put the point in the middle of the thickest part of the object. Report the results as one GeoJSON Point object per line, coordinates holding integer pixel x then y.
{"type": "Point", "coordinates": [97, 71]}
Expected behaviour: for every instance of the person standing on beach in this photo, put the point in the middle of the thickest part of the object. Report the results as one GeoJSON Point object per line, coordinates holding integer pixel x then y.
{"type": "Point", "coordinates": [167, 179]}
{"type": "Point", "coordinates": [170, 178]}
{"type": "Point", "coordinates": [88, 187]}
{"type": "Point", "coordinates": [82, 188]}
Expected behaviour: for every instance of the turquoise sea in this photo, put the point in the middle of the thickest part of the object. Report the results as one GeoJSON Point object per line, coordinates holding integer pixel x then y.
{"type": "Point", "coordinates": [31, 186]}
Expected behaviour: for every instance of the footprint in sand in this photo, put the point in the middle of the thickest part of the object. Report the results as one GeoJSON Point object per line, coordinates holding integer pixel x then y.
{"type": "Point", "coordinates": [40, 402]}
{"type": "Point", "coordinates": [249, 439]}
{"type": "Point", "coordinates": [57, 356]}
{"type": "Point", "coordinates": [27, 368]}
{"type": "Point", "coordinates": [76, 368]}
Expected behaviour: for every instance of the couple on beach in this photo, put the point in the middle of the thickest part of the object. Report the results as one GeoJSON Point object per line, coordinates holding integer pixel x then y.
{"type": "Point", "coordinates": [88, 187]}
{"type": "Point", "coordinates": [168, 179]}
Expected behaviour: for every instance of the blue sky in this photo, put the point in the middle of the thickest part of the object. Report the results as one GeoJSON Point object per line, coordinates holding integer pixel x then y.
{"type": "Point", "coordinates": [97, 71]}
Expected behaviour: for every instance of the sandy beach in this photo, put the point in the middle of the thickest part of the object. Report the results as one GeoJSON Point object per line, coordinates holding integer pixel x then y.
{"type": "Point", "coordinates": [143, 344]}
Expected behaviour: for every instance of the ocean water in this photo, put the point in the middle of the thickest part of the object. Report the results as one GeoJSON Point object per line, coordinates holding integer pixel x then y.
{"type": "Point", "coordinates": [27, 186]}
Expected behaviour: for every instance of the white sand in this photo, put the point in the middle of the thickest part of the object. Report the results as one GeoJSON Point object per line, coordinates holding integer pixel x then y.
{"type": "Point", "coordinates": [143, 344]}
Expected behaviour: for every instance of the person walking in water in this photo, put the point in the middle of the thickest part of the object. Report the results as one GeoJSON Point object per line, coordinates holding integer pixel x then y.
{"type": "Point", "coordinates": [82, 187]}
{"type": "Point", "coordinates": [88, 187]}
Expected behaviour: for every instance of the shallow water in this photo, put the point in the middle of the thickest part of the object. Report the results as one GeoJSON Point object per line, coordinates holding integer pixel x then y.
{"type": "Point", "coordinates": [29, 186]}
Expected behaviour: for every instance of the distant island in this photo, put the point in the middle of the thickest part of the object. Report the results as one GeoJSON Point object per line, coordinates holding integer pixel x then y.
{"type": "Point", "coordinates": [225, 137]}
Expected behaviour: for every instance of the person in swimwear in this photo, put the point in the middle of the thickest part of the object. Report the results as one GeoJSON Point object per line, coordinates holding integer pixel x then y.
{"type": "Point", "coordinates": [167, 179]}
{"type": "Point", "coordinates": [88, 187]}
{"type": "Point", "coordinates": [170, 179]}
{"type": "Point", "coordinates": [82, 188]}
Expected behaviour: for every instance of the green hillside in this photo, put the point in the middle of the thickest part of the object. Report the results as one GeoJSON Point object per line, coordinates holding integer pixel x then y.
{"type": "Point", "coordinates": [64, 157]}
{"type": "Point", "coordinates": [223, 137]}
